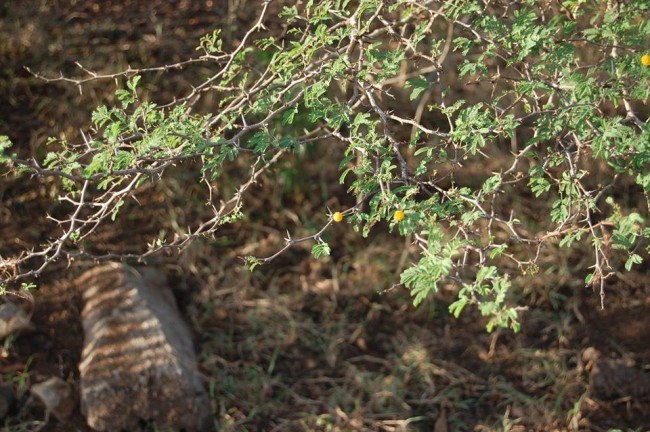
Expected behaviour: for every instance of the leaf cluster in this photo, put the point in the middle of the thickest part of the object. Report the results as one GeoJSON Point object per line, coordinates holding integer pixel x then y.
{"type": "Point", "coordinates": [561, 90]}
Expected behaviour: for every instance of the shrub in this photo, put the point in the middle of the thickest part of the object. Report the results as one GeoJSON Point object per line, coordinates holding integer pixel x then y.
{"type": "Point", "coordinates": [441, 113]}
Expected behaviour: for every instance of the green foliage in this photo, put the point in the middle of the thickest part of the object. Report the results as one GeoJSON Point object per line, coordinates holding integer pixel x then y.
{"type": "Point", "coordinates": [436, 264]}
{"type": "Point", "coordinates": [564, 88]}
{"type": "Point", "coordinates": [211, 43]}
{"type": "Point", "coordinates": [320, 249]}
{"type": "Point", "coordinates": [488, 291]}
{"type": "Point", "coordinates": [5, 143]}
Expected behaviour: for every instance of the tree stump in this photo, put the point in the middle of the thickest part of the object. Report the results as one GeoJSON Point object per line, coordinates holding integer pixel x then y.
{"type": "Point", "coordinates": [138, 360]}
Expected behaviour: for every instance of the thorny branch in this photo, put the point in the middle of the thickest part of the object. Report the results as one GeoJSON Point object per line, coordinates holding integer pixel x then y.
{"type": "Point", "coordinates": [364, 91]}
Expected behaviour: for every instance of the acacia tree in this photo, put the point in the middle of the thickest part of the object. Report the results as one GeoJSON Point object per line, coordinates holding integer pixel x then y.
{"type": "Point", "coordinates": [552, 89]}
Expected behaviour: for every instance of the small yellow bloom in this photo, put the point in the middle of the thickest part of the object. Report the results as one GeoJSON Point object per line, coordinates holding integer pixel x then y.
{"type": "Point", "coordinates": [399, 216]}
{"type": "Point", "coordinates": [645, 60]}
{"type": "Point", "coordinates": [337, 217]}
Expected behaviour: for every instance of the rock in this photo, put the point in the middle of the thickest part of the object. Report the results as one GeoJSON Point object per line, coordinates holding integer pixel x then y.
{"type": "Point", "coordinates": [56, 395]}
{"type": "Point", "coordinates": [613, 378]}
{"type": "Point", "coordinates": [13, 319]}
{"type": "Point", "coordinates": [138, 359]}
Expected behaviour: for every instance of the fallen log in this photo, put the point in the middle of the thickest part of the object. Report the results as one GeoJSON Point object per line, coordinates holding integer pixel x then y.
{"type": "Point", "coordinates": [138, 361]}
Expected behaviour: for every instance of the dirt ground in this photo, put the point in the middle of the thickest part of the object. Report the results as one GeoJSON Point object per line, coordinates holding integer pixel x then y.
{"type": "Point", "coordinates": [301, 344]}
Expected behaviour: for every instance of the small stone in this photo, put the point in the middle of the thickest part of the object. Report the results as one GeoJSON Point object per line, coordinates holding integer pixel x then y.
{"type": "Point", "coordinates": [13, 319]}
{"type": "Point", "coordinates": [56, 395]}
{"type": "Point", "coordinates": [611, 378]}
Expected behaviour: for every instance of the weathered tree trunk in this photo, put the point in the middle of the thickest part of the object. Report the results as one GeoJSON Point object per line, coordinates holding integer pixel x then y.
{"type": "Point", "coordinates": [138, 360]}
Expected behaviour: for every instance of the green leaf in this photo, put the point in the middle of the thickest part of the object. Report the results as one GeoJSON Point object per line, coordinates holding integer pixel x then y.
{"type": "Point", "coordinates": [423, 278]}
{"type": "Point", "coordinates": [288, 13]}
{"type": "Point", "coordinates": [211, 43]}
{"type": "Point", "coordinates": [5, 143]}
{"type": "Point", "coordinates": [457, 307]}
{"type": "Point", "coordinates": [320, 249]}
{"type": "Point", "coordinates": [252, 262]}
{"type": "Point", "coordinates": [99, 163]}
{"type": "Point", "coordinates": [132, 84]}
{"type": "Point", "coordinates": [288, 115]}
{"type": "Point", "coordinates": [260, 141]}
{"type": "Point", "coordinates": [116, 209]}
{"type": "Point", "coordinates": [418, 84]}
{"type": "Point", "coordinates": [492, 183]}
{"type": "Point", "coordinates": [633, 259]}
{"type": "Point", "coordinates": [497, 251]}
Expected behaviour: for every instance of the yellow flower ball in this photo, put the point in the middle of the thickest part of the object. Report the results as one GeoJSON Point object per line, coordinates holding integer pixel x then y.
{"type": "Point", "coordinates": [337, 217]}
{"type": "Point", "coordinates": [399, 216]}
{"type": "Point", "coordinates": [645, 60]}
